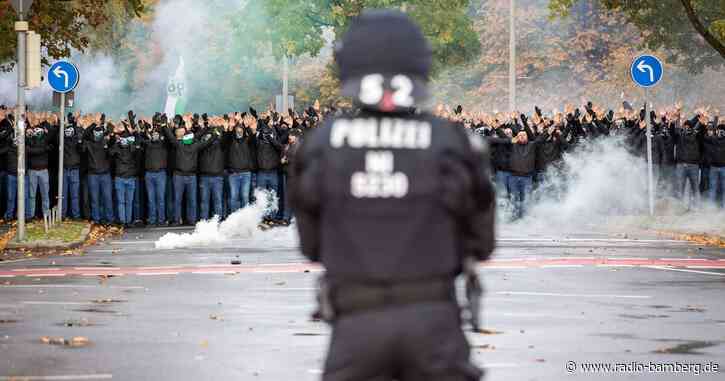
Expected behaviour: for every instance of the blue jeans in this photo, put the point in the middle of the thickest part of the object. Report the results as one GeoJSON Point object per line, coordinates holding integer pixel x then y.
{"type": "Point", "coordinates": [3, 191]}
{"type": "Point", "coordinates": [520, 190]}
{"type": "Point", "coordinates": [99, 191]}
{"type": "Point", "coordinates": [72, 192]}
{"type": "Point", "coordinates": [170, 194]}
{"type": "Point", "coordinates": [285, 211]}
{"type": "Point", "coordinates": [502, 183]}
{"type": "Point", "coordinates": [156, 194]}
{"type": "Point", "coordinates": [211, 187]}
{"type": "Point", "coordinates": [267, 180]}
{"type": "Point", "coordinates": [240, 185]}
{"type": "Point", "coordinates": [688, 174]}
{"type": "Point", "coordinates": [717, 178]}
{"type": "Point", "coordinates": [125, 189]}
{"type": "Point", "coordinates": [137, 212]}
{"type": "Point", "coordinates": [38, 179]}
{"type": "Point", "coordinates": [12, 196]}
{"type": "Point", "coordinates": [185, 184]}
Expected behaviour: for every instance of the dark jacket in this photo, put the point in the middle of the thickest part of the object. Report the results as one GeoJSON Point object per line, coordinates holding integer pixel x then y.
{"type": "Point", "coordinates": [500, 153]}
{"type": "Point", "coordinates": [72, 147]}
{"type": "Point", "coordinates": [186, 156]}
{"type": "Point", "coordinates": [156, 153]}
{"type": "Point", "coordinates": [715, 150]}
{"type": "Point", "coordinates": [551, 149]}
{"type": "Point", "coordinates": [241, 155]}
{"type": "Point", "coordinates": [688, 144]}
{"type": "Point", "coordinates": [441, 211]}
{"type": "Point", "coordinates": [269, 148]}
{"type": "Point", "coordinates": [212, 158]}
{"type": "Point", "coordinates": [125, 158]}
{"type": "Point", "coordinates": [97, 152]}
{"type": "Point", "coordinates": [38, 149]}
{"type": "Point", "coordinates": [663, 145]}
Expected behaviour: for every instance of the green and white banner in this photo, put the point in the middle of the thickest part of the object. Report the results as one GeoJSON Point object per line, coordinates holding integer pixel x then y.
{"type": "Point", "coordinates": [176, 92]}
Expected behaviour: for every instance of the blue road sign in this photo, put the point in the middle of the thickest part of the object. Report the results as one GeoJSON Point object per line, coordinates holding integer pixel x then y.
{"type": "Point", "coordinates": [63, 76]}
{"type": "Point", "coordinates": [646, 70]}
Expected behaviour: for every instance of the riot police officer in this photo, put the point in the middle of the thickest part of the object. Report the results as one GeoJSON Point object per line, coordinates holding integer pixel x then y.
{"type": "Point", "coordinates": [392, 203]}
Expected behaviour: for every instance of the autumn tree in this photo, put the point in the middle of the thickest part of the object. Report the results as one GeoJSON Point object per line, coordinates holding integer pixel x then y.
{"type": "Point", "coordinates": [692, 32]}
{"type": "Point", "coordinates": [65, 26]}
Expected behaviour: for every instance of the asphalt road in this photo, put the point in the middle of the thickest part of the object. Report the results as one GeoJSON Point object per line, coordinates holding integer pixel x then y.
{"type": "Point", "coordinates": [188, 314]}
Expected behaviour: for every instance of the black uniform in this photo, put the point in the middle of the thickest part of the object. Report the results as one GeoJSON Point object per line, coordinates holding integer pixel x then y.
{"type": "Point", "coordinates": [241, 155]}
{"type": "Point", "coordinates": [390, 203]}
{"type": "Point", "coordinates": [269, 148]}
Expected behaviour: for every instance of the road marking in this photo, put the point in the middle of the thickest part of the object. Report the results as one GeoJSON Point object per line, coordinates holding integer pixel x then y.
{"type": "Point", "coordinates": [57, 303]}
{"type": "Point", "coordinates": [214, 272]}
{"type": "Point", "coordinates": [685, 270]}
{"type": "Point", "coordinates": [561, 266]}
{"type": "Point", "coordinates": [131, 242]}
{"type": "Point", "coordinates": [624, 259]}
{"type": "Point", "coordinates": [588, 240]}
{"type": "Point", "coordinates": [7, 276]}
{"type": "Point", "coordinates": [526, 293]}
{"type": "Point", "coordinates": [96, 268]}
{"type": "Point", "coordinates": [18, 260]}
{"type": "Point", "coordinates": [612, 265]}
{"type": "Point", "coordinates": [39, 269]}
{"type": "Point", "coordinates": [58, 378]}
{"type": "Point", "coordinates": [33, 275]}
{"type": "Point", "coordinates": [158, 273]}
{"type": "Point", "coordinates": [69, 286]}
{"type": "Point", "coordinates": [683, 259]}
{"type": "Point", "coordinates": [283, 289]}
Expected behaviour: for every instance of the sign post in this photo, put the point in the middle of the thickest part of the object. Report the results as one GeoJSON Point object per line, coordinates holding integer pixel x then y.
{"type": "Point", "coordinates": [22, 7]}
{"type": "Point", "coordinates": [63, 77]}
{"type": "Point", "coordinates": [646, 71]}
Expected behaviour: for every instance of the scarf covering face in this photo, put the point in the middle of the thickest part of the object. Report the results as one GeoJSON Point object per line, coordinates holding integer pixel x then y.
{"type": "Point", "coordinates": [69, 132]}
{"type": "Point", "coordinates": [98, 134]}
{"type": "Point", "coordinates": [188, 139]}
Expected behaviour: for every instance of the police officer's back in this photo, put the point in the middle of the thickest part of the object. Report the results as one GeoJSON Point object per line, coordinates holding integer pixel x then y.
{"type": "Point", "coordinates": [391, 203]}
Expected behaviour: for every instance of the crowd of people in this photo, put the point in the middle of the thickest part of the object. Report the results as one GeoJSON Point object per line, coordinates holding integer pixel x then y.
{"type": "Point", "coordinates": [175, 170]}
{"type": "Point", "coordinates": [154, 171]}
{"type": "Point", "coordinates": [688, 152]}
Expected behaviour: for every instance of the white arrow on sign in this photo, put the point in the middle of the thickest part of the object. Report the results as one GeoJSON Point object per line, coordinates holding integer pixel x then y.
{"type": "Point", "coordinates": [642, 67]}
{"type": "Point", "coordinates": [60, 72]}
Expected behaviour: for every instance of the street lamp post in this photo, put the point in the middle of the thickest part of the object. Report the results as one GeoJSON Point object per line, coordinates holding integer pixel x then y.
{"type": "Point", "coordinates": [512, 56]}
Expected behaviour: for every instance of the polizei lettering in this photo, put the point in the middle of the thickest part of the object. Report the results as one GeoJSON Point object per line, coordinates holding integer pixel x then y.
{"type": "Point", "coordinates": [381, 133]}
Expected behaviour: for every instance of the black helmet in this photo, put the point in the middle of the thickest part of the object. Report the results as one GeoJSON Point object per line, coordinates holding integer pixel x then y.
{"type": "Point", "coordinates": [387, 51]}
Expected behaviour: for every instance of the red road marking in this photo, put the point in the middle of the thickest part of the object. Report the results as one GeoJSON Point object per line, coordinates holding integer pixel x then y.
{"type": "Point", "coordinates": [309, 267]}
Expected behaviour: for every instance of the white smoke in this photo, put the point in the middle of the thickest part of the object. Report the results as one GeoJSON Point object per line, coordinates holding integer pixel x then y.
{"type": "Point", "coordinates": [601, 186]}
{"type": "Point", "coordinates": [241, 225]}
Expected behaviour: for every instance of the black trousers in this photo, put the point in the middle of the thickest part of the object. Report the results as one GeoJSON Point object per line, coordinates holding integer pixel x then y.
{"type": "Point", "coordinates": [417, 342]}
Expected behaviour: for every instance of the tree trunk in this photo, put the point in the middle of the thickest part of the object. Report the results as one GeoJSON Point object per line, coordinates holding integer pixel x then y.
{"type": "Point", "coordinates": [700, 28]}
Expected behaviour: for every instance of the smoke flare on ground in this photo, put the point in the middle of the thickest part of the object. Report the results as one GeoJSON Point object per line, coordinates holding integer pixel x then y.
{"type": "Point", "coordinates": [240, 225]}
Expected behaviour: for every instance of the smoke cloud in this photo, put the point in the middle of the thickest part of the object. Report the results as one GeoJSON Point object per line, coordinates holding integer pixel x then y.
{"type": "Point", "coordinates": [240, 225]}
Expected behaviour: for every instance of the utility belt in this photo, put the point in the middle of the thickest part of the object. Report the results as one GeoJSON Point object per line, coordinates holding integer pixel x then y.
{"type": "Point", "coordinates": [339, 300]}
{"type": "Point", "coordinates": [336, 301]}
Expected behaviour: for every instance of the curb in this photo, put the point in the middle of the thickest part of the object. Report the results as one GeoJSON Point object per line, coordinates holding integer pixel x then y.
{"type": "Point", "coordinates": [51, 245]}
{"type": "Point", "coordinates": [706, 239]}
